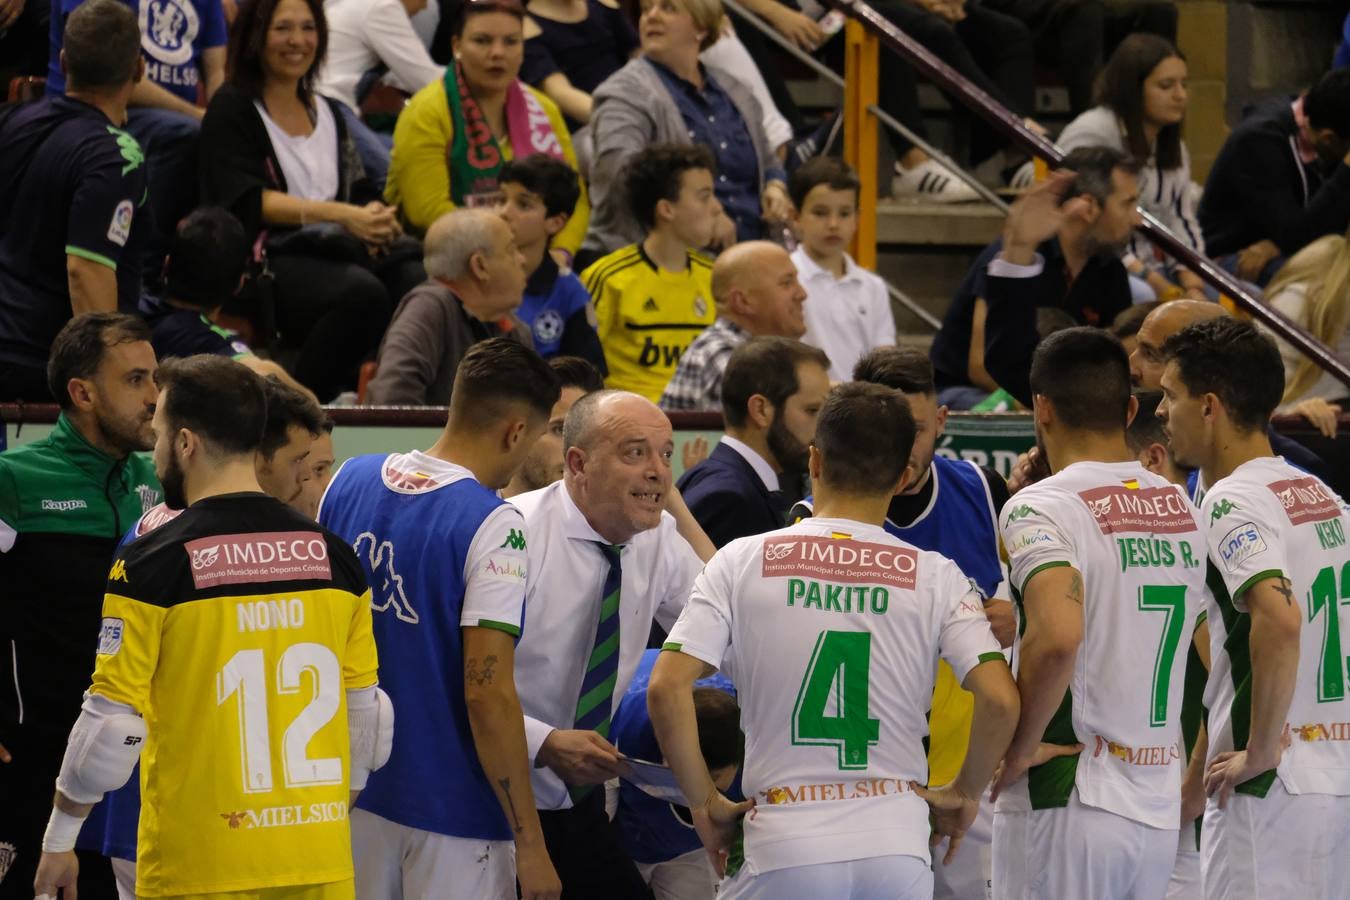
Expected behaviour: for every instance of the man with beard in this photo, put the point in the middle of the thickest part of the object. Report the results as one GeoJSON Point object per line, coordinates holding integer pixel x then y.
{"type": "Point", "coordinates": [65, 501]}
{"type": "Point", "coordinates": [1072, 263]}
{"type": "Point", "coordinates": [771, 394]}
{"type": "Point", "coordinates": [544, 465]}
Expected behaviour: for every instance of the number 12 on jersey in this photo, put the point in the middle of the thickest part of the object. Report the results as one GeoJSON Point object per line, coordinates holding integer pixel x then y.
{"type": "Point", "coordinates": [838, 672]}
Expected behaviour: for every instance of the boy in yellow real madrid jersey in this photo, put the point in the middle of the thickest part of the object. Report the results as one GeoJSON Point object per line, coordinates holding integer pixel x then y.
{"type": "Point", "coordinates": [236, 649]}
{"type": "Point", "coordinates": [653, 298]}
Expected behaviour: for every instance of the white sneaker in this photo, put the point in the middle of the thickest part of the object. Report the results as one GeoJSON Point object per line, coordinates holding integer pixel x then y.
{"type": "Point", "coordinates": [1025, 176]}
{"type": "Point", "coordinates": [931, 181]}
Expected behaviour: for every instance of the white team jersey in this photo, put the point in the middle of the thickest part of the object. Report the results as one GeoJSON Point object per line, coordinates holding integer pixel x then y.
{"type": "Point", "coordinates": [1269, 519]}
{"type": "Point", "coordinates": [1137, 542]}
{"type": "Point", "coordinates": [831, 631]}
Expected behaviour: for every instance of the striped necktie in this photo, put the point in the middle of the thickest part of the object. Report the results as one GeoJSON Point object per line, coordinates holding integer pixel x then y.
{"type": "Point", "coordinates": [602, 669]}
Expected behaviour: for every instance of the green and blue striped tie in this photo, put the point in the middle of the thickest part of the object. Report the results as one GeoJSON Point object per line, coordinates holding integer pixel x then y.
{"type": "Point", "coordinates": [602, 669]}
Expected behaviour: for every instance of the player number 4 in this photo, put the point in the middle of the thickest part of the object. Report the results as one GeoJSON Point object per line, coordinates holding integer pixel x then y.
{"type": "Point", "coordinates": [246, 675]}
{"type": "Point", "coordinates": [1323, 598]}
{"type": "Point", "coordinates": [837, 675]}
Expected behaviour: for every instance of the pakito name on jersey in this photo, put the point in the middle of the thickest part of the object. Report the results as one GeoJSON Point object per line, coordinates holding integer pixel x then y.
{"type": "Point", "coordinates": [1159, 510]}
{"type": "Point", "coordinates": [268, 556]}
{"type": "Point", "coordinates": [843, 561]}
{"type": "Point", "coordinates": [285, 816]}
{"type": "Point", "coordinates": [839, 790]}
{"type": "Point", "coordinates": [1305, 500]}
{"type": "Point", "coordinates": [1163, 755]}
{"type": "Point", "coordinates": [838, 598]}
{"type": "Point", "coordinates": [1144, 553]}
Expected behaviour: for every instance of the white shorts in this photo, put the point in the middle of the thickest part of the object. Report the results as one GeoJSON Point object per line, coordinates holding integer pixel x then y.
{"type": "Point", "coordinates": [124, 870]}
{"type": "Point", "coordinates": [970, 876]}
{"type": "Point", "coordinates": [1080, 852]}
{"type": "Point", "coordinates": [394, 862]}
{"type": "Point", "coordinates": [1280, 845]}
{"type": "Point", "coordinates": [875, 878]}
{"type": "Point", "coordinates": [1186, 883]}
{"type": "Point", "coordinates": [686, 877]}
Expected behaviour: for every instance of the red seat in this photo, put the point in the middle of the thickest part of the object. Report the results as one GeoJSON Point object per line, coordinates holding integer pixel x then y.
{"type": "Point", "coordinates": [364, 378]}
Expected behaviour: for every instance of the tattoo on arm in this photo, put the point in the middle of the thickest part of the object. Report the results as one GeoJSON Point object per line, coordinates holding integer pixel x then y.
{"type": "Point", "coordinates": [505, 785]}
{"type": "Point", "coordinates": [1076, 589]}
{"type": "Point", "coordinates": [1284, 588]}
{"type": "Point", "coordinates": [480, 676]}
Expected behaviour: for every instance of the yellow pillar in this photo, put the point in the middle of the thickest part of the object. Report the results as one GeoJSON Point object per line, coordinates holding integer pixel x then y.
{"type": "Point", "coordinates": [861, 68]}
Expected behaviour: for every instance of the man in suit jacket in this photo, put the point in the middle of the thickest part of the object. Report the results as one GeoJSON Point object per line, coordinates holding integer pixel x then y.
{"type": "Point", "coordinates": [771, 393]}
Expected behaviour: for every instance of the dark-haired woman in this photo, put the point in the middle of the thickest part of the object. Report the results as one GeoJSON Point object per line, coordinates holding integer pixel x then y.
{"type": "Point", "coordinates": [1141, 106]}
{"type": "Point", "coordinates": [279, 157]}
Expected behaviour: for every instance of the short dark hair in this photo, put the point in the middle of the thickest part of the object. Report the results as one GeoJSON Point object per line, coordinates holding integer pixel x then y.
{"type": "Point", "coordinates": [1327, 103]}
{"type": "Point", "coordinates": [1146, 429]}
{"type": "Point", "coordinates": [248, 40]}
{"type": "Point", "coordinates": [1085, 373]}
{"type": "Point", "coordinates": [864, 433]}
{"type": "Point", "coordinates": [1093, 167]}
{"type": "Point", "coordinates": [903, 369]}
{"type": "Point", "coordinates": [78, 349]}
{"type": "Point", "coordinates": [206, 258]}
{"type": "Point", "coordinates": [554, 181]}
{"type": "Point", "coordinates": [1129, 320]}
{"type": "Point", "coordinates": [575, 372]}
{"type": "Point", "coordinates": [102, 43]}
{"type": "Point", "coordinates": [287, 407]}
{"type": "Point", "coordinates": [830, 171]}
{"type": "Point", "coordinates": [766, 366]}
{"type": "Point", "coordinates": [197, 389]}
{"type": "Point", "coordinates": [1233, 361]}
{"type": "Point", "coordinates": [719, 728]}
{"type": "Point", "coordinates": [657, 172]}
{"type": "Point", "coordinates": [467, 9]}
{"type": "Point", "coordinates": [1120, 88]}
{"type": "Point", "coordinates": [498, 373]}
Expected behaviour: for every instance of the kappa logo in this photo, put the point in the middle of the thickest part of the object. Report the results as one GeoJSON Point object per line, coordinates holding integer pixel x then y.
{"type": "Point", "coordinates": [118, 572]}
{"type": "Point", "coordinates": [775, 552]}
{"type": "Point", "coordinates": [206, 557]}
{"type": "Point", "coordinates": [64, 505]}
{"type": "Point", "coordinates": [1224, 507]}
{"type": "Point", "coordinates": [386, 584]}
{"type": "Point", "coordinates": [1021, 513]}
{"type": "Point", "coordinates": [515, 540]}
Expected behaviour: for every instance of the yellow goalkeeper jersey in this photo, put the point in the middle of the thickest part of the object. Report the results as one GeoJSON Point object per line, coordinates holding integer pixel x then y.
{"type": "Point", "coordinates": [236, 631]}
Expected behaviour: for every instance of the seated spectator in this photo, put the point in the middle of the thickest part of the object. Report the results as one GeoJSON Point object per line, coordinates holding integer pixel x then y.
{"type": "Point", "coordinates": [72, 191]}
{"type": "Point", "coordinates": [774, 388]}
{"type": "Point", "coordinates": [1076, 268]}
{"type": "Point", "coordinates": [475, 280]}
{"type": "Point", "coordinates": [183, 45]}
{"type": "Point", "coordinates": [364, 36]}
{"type": "Point", "coordinates": [1313, 289]}
{"type": "Point", "coordinates": [1072, 35]}
{"type": "Point", "coordinates": [756, 294]}
{"type": "Point", "coordinates": [849, 312]}
{"type": "Point", "coordinates": [653, 298]}
{"type": "Point", "coordinates": [538, 196]}
{"type": "Point", "coordinates": [455, 133]}
{"type": "Point", "coordinates": [1281, 180]}
{"type": "Point", "coordinates": [1141, 109]}
{"type": "Point", "coordinates": [203, 271]}
{"type": "Point", "coordinates": [667, 96]}
{"type": "Point", "coordinates": [544, 465]}
{"type": "Point", "coordinates": [278, 156]}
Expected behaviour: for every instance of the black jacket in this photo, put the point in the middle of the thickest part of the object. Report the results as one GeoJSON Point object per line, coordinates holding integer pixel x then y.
{"type": "Point", "coordinates": [729, 499]}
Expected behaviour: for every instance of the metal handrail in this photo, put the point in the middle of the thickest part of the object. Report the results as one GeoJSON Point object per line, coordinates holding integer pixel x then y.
{"type": "Point", "coordinates": [979, 102]}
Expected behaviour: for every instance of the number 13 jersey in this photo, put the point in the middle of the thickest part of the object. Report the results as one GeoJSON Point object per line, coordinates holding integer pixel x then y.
{"type": "Point", "coordinates": [831, 631]}
{"type": "Point", "coordinates": [236, 631]}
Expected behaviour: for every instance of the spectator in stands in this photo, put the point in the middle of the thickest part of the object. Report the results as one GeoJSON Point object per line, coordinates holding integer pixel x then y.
{"type": "Point", "coordinates": [544, 465]}
{"type": "Point", "coordinates": [538, 196]}
{"type": "Point", "coordinates": [364, 38]}
{"type": "Point", "coordinates": [203, 271]}
{"type": "Point", "coordinates": [1073, 35]}
{"type": "Point", "coordinates": [1313, 289]}
{"type": "Point", "coordinates": [774, 388]}
{"type": "Point", "coordinates": [1076, 268]}
{"type": "Point", "coordinates": [1281, 180]}
{"type": "Point", "coordinates": [72, 191]}
{"type": "Point", "coordinates": [756, 294]}
{"type": "Point", "coordinates": [653, 298]}
{"type": "Point", "coordinates": [668, 96]}
{"type": "Point", "coordinates": [183, 45]}
{"type": "Point", "coordinates": [1141, 108]}
{"type": "Point", "coordinates": [849, 312]}
{"type": "Point", "coordinates": [277, 155]}
{"type": "Point", "coordinates": [455, 133]}
{"type": "Point", "coordinates": [475, 280]}
{"type": "Point", "coordinates": [23, 41]}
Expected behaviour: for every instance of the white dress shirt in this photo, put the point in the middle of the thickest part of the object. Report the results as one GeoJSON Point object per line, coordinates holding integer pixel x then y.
{"type": "Point", "coordinates": [846, 317]}
{"type": "Point", "coordinates": [308, 162]}
{"type": "Point", "coordinates": [365, 33]}
{"type": "Point", "coordinates": [562, 608]}
{"type": "Point", "coordinates": [758, 463]}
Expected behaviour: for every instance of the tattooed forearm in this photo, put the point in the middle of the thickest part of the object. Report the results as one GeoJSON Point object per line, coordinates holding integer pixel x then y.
{"type": "Point", "coordinates": [1284, 587]}
{"type": "Point", "coordinates": [479, 676]}
{"type": "Point", "coordinates": [505, 785]}
{"type": "Point", "coordinates": [1076, 589]}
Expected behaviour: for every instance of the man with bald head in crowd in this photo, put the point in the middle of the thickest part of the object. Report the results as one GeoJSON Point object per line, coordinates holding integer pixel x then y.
{"type": "Point", "coordinates": [757, 294]}
{"type": "Point", "coordinates": [605, 558]}
{"type": "Point", "coordinates": [475, 280]}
